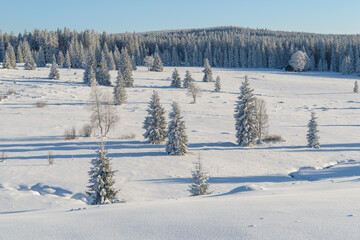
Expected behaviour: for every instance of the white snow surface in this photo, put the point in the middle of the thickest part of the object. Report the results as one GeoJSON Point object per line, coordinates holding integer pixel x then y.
{"type": "Point", "coordinates": [270, 191]}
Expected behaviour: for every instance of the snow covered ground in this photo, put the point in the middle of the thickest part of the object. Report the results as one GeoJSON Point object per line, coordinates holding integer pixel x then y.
{"type": "Point", "coordinates": [272, 191]}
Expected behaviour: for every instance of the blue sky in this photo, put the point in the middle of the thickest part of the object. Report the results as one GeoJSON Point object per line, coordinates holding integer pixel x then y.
{"type": "Point", "coordinates": [112, 16]}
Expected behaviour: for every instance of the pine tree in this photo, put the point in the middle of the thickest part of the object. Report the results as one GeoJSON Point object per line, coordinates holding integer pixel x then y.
{"type": "Point", "coordinates": [175, 79]}
{"type": "Point", "coordinates": [207, 72]}
{"type": "Point", "coordinates": [312, 135]}
{"type": "Point", "coordinates": [54, 72]}
{"type": "Point", "coordinates": [155, 124]}
{"type": "Point", "coordinates": [356, 87]}
{"type": "Point", "coordinates": [40, 60]}
{"type": "Point", "coordinates": [101, 190]}
{"type": "Point", "coordinates": [102, 72]}
{"type": "Point", "coordinates": [177, 143]}
{"type": "Point", "coordinates": [245, 116]}
{"type": "Point", "coordinates": [67, 62]}
{"type": "Point", "coordinates": [119, 90]}
{"type": "Point", "coordinates": [29, 62]}
{"type": "Point", "coordinates": [217, 84]}
{"type": "Point", "coordinates": [158, 64]}
{"type": "Point", "coordinates": [200, 185]}
{"type": "Point", "coordinates": [10, 58]}
{"type": "Point", "coordinates": [188, 79]}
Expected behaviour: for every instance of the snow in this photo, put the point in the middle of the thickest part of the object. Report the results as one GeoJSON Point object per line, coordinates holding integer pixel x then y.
{"type": "Point", "coordinates": [271, 191]}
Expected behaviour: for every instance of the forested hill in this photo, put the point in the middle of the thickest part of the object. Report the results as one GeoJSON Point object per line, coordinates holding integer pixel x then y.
{"type": "Point", "coordinates": [223, 46]}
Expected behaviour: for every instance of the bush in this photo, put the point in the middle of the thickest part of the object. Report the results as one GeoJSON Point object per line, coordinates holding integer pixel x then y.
{"type": "Point", "coordinates": [130, 136]}
{"type": "Point", "coordinates": [86, 131]}
{"type": "Point", "coordinates": [40, 104]}
{"type": "Point", "coordinates": [51, 158]}
{"type": "Point", "coordinates": [273, 138]}
{"type": "Point", "coordinates": [11, 91]}
{"type": "Point", "coordinates": [70, 134]}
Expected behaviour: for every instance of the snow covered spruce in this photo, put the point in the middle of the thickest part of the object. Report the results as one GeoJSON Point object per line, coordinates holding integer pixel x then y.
{"type": "Point", "coordinates": [120, 95]}
{"type": "Point", "coordinates": [155, 124]}
{"type": "Point", "coordinates": [177, 140]}
{"type": "Point", "coordinates": [200, 184]}
{"type": "Point", "coordinates": [101, 190]}
{"type": "Point", "coordinates": [175, 79]}
{"type": "Point", "coordinates": [207, 72]}
{"type": "Point", "coordinates": [217, 85]}
{"type": "Point", "coordinates": [356, 87]}
{"type": "Point", "coordinates": [313, 132]}
{"type": "Point", "coordinates": [54, 72]}
{"type": "Point", "coordinates": [188, 79]}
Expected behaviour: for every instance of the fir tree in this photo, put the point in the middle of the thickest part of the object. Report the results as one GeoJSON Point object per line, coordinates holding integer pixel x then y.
{"type": "Point", "coordinates": [60, 59]}
{"type": "Point", "coordinates": [312, 135]}
{"type": "Point", "coordinates": [155, 124]}
{"type": "Point", "coordinates": [19, 56]}
{"type": "Point", "coordinates": [40, 60]}
{"type": "Point", "coordinates": [175, 79]}
{"type": "Point", "coordinates": [158, 64]}
{"type": "Point", "coordinates": [89, 73]}
{"type": "Point", "coordinates": [101, 190]}
{"type": "Point", "coordinates": [207, 72]}
{"type": "Point", "coordinates": [29, 62]}
{"type": "Point", "coordinates": [188, 79]}
{"type": "Point", "coordinates": [119, 90]}
{"type": "Point", "coordinates": [54, 72]}
{"type": "Point", "coordinates": [67, 62]}
{"type": "Point", "coordinates": [217, 84]}
{"type": "Point", "coordinates": [245, 116]}
{"type": "Point", "coordinates": [10, 58]}
{"type": "Point", "coordinates": [102, 72]}
{"type": "Point", "coordinates": [200, 185]}
{"type": "Point", "coordinates": [110, 61]}
{"type": "Point", "coordinates": [356, 87]}
{"type": "Point", "coordinates": [177, 143]}
{"type": "Point", "coordinates": [126, 68]}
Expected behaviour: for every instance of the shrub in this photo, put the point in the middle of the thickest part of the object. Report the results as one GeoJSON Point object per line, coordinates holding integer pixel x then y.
{"type": "Point", "coordinates": [51, 158]}
{"type": "Point", "coordinates": [40, 104]}
{"type": "Point", "coordinates": [11, 91]}
{"type": "Point", "coordinates": [273, 138]}
{"type": "Point", "coordinates": [130, 136]}
{"type": "Point", "coordinates": [70, 134]}
{"type": "Point", "coordinates": [86, 131]}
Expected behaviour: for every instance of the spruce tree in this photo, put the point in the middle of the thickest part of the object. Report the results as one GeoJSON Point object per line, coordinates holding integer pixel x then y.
{"type": "Point", "coordinates": [356, 87]}
{"type": "Point", "coordinates": [177, 140]}
{"type": "Point", "coordinates": [175, 79]}
{"type": "Point", "coordinates": [200, 184]}
{"type": "Point", "coordinates": [89, 72]}
{"type": "Point", "coordinates": [188, 79]}
{"type": "Point", "coordinates": [126, 68]}
{"type": "Point", "coordinates": [312, 135]}
{"type": "Point", "coordinates": [119, 90]}
{"type": "Point", "coordinates": [40, 60]}
{"type": "Point", "coordinates": [158, 64]}
{"type": "Point", "coordinates": [245, 116]}
{"type": "Point", "coordinates": [155, 124]}
{"type": "Point", "coordinates": [29, 62]}
{"type": "Point", "coordinates": [217, 84]}
{"type": "Point", "coordinates": [102, 72]}
{"type": "Point", "coordinates": [54, 72]}
{"type": "Point", "coordinates": [207, 72]}
{"type": "Point", "coordinates": [101, 190]}
{"type": "Point", "coordinates": [19, 56]}
{"type": "Point", "coordinates": [110, 61]}
{"type": "Point", "coordinates": [67, 62]}
{"type": "Point", "coordinates": [60, 59]}
{"type": "Point", "coordinates": [10, 58]}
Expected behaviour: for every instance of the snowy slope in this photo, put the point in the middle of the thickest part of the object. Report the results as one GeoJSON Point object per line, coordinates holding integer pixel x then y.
{"type": "Point", "coordinates": [248, 183]}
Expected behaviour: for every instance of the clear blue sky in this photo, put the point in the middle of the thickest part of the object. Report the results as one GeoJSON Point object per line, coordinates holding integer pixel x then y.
{"type": "Point", "coordinates": [112, 16]}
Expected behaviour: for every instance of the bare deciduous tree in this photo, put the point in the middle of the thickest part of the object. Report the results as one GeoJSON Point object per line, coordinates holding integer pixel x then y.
{"type": "Point", "coordinates": [193, 91]}
{"type": "Point", "coordinates": [103, 113]}
{"type": "Point", "coordinates": [262, 118]}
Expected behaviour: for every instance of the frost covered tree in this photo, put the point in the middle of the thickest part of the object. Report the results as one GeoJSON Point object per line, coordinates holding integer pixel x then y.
{"type": "Point", "coordinates": [149, 62]}
{"type": "Point", "coordinates": [155, 123]}
{"type": "Point", "coordinates": [89, 73]}
{"type": "Point", "coordinates": [102, 72]}
{"type": "Point", "coordinates": [40, 60]}
{"type": "Point", "coordinates": [217, 85]}
{"type": "Point", "coordinates": [29, 62]}
{"type": "Point", "coordinates": [298, 61]}
{"type": "Point", "coordinates": [60, 59]}
{"type": "Point", "coordinates": [356, 87]}
{"type": "Point", "coordinates": [245, 116]}
{"type": "Point", "coordinates": [200, 184]}
{"type": "Point", "coordinates": [126, 68]}
{"type": "Point", "coordinates": [346, 66]}
{"type": "Point", "coordinates": [313, 132]}
{"type": "Point", "coordinates": [188, 79]}
{"type": "Point", "coordinates": [193, 91]}
{"type": "Point", "coordinates": [101, 189]}
{"type": "Point", "coordinates": [10, 58]}
{"type": "Point", "coordinates": [54, 72]}
{"type": "Point", "coordinates": [177, 140]}
{"type": "Point", "coordinates": [67, 62]}
{"type": "Point", "coordinates": [207, 72]}
{"type": "Point", "coordinates": [110, 61]}
{"type": "Point", "coordinates": [262, 118]}
{"type": "Point", "coordinates": [158, 64]}
{"type": "Point", "coordinates": [175, 79]}
{"type": "Point", "coordinates": [19, 56]}
{"type": "Point", "coordinates": [120, 95]}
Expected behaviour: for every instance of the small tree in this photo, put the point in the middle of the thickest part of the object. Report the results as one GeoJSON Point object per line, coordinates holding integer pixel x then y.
{"type": "Point", "coordinates": [103, 113]}
{"type": "Point", "coordinates": [188, 79]}
{"type": "Point", "coordinates": [102, 72]}
{"type": "Point", "coordinates": [29, 62]}
{"type": "Point", "coordinates": [298, 61]}
{"type": "Point", "coordinates": [200, 185]}
{"type": "Point", "coordinates": [149, 62]}
{"type": "Point", "coordinates": [101, 190]}
{"type": "Point", "coordinates": [40, 60]}
{"type": "Point", "coordinates": [207, 72]}
{"type": "Point", "coordinates": [356, 87]}
{"type": "Point", "coordinates": [245, 116]}
{"type": "Point", "coordinates": [177, 143]}
{"type": "Point", "coordinates": [54, 72]}
{"type": "Point", "coordinates": [60, 59]}
{"type": "Point", "coordinates": [217, 84]}
{"type": "Point", "coordinates": [119, 90]}
{"type": "Point", "coordinates": [312, 135]}
{"type": "Point", "coordinates": [67, 62]}
{"type": "Point", "coordinates": [193, 91]}
{"type": "Point", "coordinates": [126, 68]}
{"type": "Point", "coordinates": [158, 64]}
{"type": "Point", "coordinates": [261, 119]}
{"type": "Point", "coordinates": [10, 58]}
{"type": "Point", "coordinates": [175, 79]}
{"type": "Point", "coordinates": [155, 124]}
